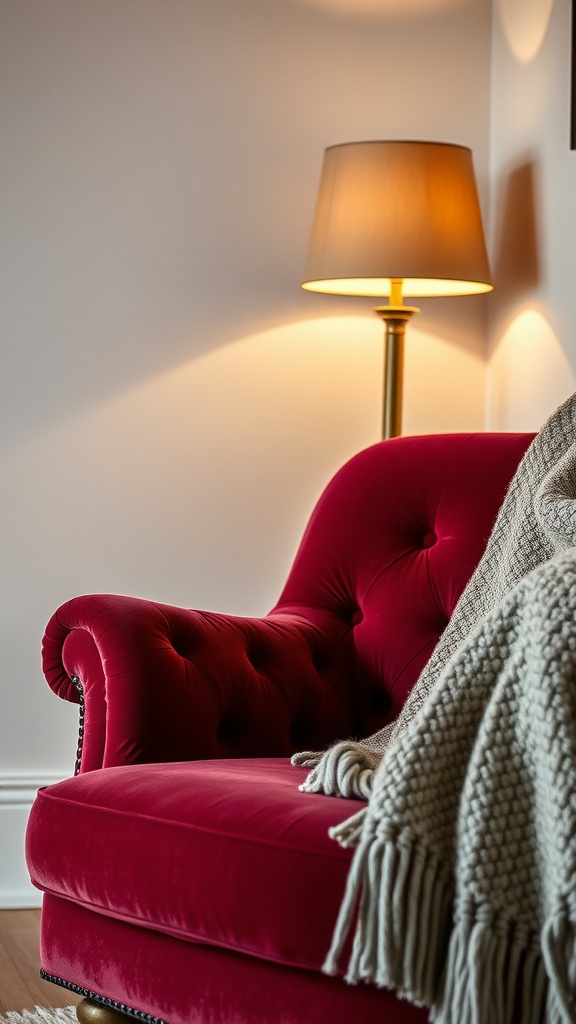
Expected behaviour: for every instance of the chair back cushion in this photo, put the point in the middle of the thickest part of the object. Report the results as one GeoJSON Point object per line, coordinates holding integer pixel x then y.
{"type": "Point", "coordinates": [388, 550]}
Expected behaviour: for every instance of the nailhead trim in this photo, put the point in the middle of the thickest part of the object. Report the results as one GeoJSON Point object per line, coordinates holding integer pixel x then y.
{"type": "Point", "coordinates": [112, 1003]}
{"type": "Point", "coordinates": [75, 680]}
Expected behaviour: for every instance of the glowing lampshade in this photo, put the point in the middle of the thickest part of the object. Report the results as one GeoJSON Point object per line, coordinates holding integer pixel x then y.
{"type": "Point", "coordinates": [397, 211]}
{"type": "Point", "coordinates": [395, 219]}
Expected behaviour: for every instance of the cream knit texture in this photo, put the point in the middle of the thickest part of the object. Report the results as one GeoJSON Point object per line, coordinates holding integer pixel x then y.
{"type": "Point", "coordinates": [461, 895]}
{"type": "Point", "coordinates": [519, 541]}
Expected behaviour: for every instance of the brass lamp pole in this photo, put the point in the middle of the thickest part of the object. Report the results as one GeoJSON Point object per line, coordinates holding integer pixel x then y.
{"type": "Point", "coordinates": [395, 317]}
{"type": "Point", "coordinates": [393, 218]}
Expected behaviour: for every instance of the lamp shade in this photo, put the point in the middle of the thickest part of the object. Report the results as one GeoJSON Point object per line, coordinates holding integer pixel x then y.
{"type": "Point", "coordinates": [397, 211]}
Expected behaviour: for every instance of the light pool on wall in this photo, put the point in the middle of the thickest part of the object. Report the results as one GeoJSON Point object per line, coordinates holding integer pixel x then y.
{"type": "Point", "coordinates": [529, 375]}
{"type": "Point", "coordinates": [387, 8]}
{"type": "Point", "coordinates": [525, 23]}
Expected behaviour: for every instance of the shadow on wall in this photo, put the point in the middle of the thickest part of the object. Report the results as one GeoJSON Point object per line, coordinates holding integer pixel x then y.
{"type": "Point", "coordinates": [517, 263]}
{"type": "Point", "coordinates": [529, 373]}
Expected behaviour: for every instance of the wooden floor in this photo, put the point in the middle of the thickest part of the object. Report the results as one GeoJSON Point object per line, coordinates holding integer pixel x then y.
{"type": "Point", "coordinates": [21, 986]}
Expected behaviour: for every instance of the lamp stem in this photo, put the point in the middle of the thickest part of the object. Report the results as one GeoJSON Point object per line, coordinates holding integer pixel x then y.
{"type": "Point", "coordinates": [396, 291]}
{"type": "Point", "coordinates": [395, 319]}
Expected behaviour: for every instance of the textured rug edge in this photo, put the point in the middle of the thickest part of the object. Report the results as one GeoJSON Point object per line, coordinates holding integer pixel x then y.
{"type": "Point", "coordinates": [41, 1015]}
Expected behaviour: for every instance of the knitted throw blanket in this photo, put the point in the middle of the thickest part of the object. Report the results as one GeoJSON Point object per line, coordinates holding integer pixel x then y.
{"type": "Point", "coordinates": [462, 889]}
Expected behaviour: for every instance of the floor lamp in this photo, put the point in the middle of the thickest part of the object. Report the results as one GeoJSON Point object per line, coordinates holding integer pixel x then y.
{"type": "Point", "coordinates": [396, 219]}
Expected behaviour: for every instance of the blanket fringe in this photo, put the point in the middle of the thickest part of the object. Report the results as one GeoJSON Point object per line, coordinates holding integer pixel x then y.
{"type": "Point", "coordinates": [403, 896]}
{"type": "Point", "coordinates": [493, 972]}
{"type": "Point", "coordinates": [346, 769]}
{"type": "Point", "coordinates": [399, 902]}
{"type": "Point", "coordinates": [348, 832]}
{"type": "Point", "coordinates": [307, 758]}
{"type": "Point", "coordinates": [559, 953]}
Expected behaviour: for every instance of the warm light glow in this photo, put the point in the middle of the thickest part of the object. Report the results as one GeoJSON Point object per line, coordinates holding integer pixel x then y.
{"type": "Point", "coordinates": [378, 286]}
{"type": "Point", "coordinates": [397, 210]}
{"type": "Point", "coordinates": [525, 23]}
{"type": "Point", "coordinates": [528, 374]}
{"type": "Point", "coordinates": [386, 8]}
{"type": "Point", "coordinates": [445, 384]}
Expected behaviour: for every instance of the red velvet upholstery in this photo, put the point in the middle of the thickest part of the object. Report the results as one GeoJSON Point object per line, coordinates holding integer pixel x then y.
{"type": "Point", "coordinates": [230, 830]}
{"type": "Point", "coordinates": [392, 542]}
{"type": "Point", "coordinates": [194, 889]}
{"type": "Point", "coordinates": [200, 984]}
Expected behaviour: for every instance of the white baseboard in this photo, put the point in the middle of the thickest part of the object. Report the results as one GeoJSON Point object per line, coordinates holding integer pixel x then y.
{"type": "Point", "coordinates": [17, 793]}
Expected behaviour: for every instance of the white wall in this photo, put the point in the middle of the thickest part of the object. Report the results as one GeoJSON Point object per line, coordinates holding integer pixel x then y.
{"type": "Point", "coordinates": [171, 404]}
{"type": "Point", "coordinates": [532, 365]}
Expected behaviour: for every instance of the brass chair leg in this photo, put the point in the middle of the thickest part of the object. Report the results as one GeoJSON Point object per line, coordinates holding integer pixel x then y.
{"type": "Point", "coordinates": [90, 1012]}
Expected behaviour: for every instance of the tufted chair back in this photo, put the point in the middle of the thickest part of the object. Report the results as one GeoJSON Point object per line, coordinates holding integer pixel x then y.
{"type": "Point", "coordinates": [386, 554]}
{"type": "Point", "coordinates": [388, 550]}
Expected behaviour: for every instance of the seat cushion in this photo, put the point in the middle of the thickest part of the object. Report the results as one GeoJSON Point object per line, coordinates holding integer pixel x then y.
{"type": "Point", "coordinates": [228, 853]}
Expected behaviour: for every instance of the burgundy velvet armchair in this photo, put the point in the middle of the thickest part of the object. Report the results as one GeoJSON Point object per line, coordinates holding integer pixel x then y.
{"type": "Point", "coordinates": [186, 878]}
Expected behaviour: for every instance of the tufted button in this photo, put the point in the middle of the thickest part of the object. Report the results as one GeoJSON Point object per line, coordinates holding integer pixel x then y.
{"type": "Point", "coordinates": [226, 729]}
{"type": "Point", "coordinates": [380, 701]}
{"type": "Point", "coordinates": [319, 661]}
{"type": "Point", "coordinates": [429, 539]}
{"type": "Point", "coordinates": [356, 617]}
{"type": "Point", "coordinates": [297, 736]}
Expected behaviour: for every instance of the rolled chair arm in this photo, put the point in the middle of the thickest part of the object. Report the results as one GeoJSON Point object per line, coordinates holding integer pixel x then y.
{"type": "Point", "coordinates": [161, 683]}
